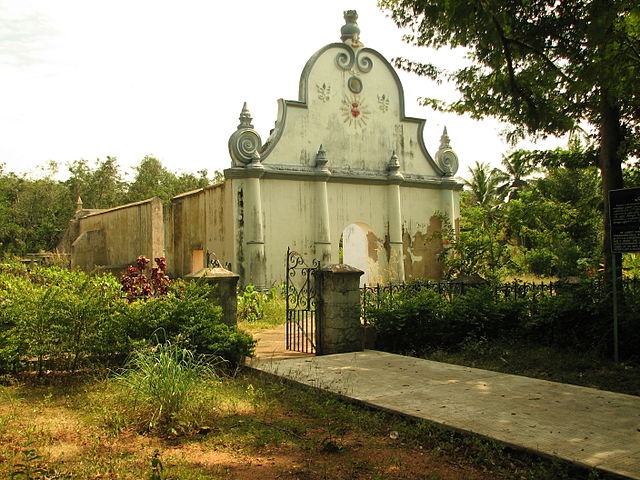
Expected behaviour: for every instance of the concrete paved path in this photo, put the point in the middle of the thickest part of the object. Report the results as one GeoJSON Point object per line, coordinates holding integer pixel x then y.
{"type": "Point", "coordinates": [583, 425]}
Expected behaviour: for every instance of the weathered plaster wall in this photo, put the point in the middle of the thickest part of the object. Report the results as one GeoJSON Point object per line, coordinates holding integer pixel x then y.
{"type": "Point", "coordinates": [114, 238]}
{"type": "Point", "coordinates": [420, 244]}
{"type": "Point", "coordinates": [290, 207]}
{"type": "Point", "coordinates": [201, 221]}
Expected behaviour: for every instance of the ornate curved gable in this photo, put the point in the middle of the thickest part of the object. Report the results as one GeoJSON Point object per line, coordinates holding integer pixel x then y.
{"type": "Point", "coordinates": [351, 103]}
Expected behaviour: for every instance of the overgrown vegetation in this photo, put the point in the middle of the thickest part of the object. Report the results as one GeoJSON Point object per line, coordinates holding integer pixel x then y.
{"type": "Point", "coordinates": [513, 224]}
{"type": "Point", "coordinates": [165, 383]}
{"type": "Point", "coordinates": [575, 318]}
{"type": "Point", "coordinates": [258, 310]}
{"type": "Point", "coordinates": [60, 320]}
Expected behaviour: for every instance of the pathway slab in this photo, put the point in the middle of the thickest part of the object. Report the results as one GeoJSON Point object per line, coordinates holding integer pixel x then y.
{"type": "Point", "coordinates": [591, 427]}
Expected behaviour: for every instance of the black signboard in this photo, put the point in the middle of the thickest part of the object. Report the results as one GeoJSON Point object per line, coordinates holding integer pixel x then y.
{"type": "Point", "coordinates": [624, 212]}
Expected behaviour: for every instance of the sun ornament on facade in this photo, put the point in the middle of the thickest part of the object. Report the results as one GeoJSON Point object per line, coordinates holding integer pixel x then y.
{"type": "Point", "coordinates": [355, 111]}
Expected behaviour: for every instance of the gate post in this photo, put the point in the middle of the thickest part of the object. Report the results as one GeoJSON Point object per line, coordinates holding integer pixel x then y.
{"type": "Point", "coordinates": [339, 329]}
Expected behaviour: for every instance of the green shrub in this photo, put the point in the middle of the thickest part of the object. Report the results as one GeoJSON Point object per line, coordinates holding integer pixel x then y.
{"type": "Point", "coordinates": [62, 320]}
{"type": "Point", "coordinates": [188, 313]}
{"type": "Point", "coordinates": [411, 321]}
{"type": "Point", "coordinates": [251, 304]}
{"type": "Point", "coordinates": [56, 318]}
{"type": "Point", "coordinates": [163, 382]}
{"type": "Point", "coordinates": [577, 317]}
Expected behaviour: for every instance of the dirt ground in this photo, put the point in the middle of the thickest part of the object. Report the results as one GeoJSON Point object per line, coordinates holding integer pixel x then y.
{"type": "Point", "coordinates": [62, 438]}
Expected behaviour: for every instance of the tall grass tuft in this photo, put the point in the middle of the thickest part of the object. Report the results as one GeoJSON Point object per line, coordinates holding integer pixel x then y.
{"type": "Point", "coordinates": [164, 382]}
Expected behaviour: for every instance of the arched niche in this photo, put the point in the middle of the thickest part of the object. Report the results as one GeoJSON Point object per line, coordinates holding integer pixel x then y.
{"type": "Point", "coordinates": [360, 248]}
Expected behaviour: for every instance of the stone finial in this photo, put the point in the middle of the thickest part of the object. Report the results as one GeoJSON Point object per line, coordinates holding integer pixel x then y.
{"type": "Point", "coordinates": [245, 143]}
{"type": "Point", "coordinates": [446, 158]}
{"type": "Point", "coordinates": [78, 204]}
{"type": "Point", "coordinates": [321, 159]}
{"type": "Point", "coordinates": [445, 141]}
{"type": "Point", "coordinates": [245, 117]}
{"type": "Point", "coordinates": [393, 167]}
{"type": "Point", "coordinates": [350, 32]}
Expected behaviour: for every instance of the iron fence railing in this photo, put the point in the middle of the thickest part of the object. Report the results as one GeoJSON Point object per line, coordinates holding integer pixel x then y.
{"type": "Point", "coordinates": [375, 296]}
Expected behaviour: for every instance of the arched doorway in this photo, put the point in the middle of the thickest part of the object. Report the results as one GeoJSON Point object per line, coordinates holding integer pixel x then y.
{"type": "Point", "coordinates": [359, 248]}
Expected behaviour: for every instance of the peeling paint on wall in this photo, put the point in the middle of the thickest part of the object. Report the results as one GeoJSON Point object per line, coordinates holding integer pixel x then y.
{"type": "Point", "coordinates": [373, 243]}
{"type": "Point", "coordinates": [421, 252]}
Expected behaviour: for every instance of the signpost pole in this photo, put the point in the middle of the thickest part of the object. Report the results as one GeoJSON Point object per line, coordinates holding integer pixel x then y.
{"type": "Point", "coordinates": [624, 215]}
{"type": "Point", "coordinates": [614, 285]}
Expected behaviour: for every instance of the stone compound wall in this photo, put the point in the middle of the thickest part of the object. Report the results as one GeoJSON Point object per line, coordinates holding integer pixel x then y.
{"type": "Point", "coordinates": [114, 238]}
{"type": "Point", "coordinates": [196, 223]}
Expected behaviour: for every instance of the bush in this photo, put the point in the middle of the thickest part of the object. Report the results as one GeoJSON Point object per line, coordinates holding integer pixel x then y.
{"type": "Point", "coordinates": [251, 304]}
{"type": "Point", "coordinates": [63, 320]}
{"type": "Point", "coordinates": [187, 313]}
{"type": "Point", "coordinates": [577, 317]}
{"type": "Point", "coordinates": [163, 382]}
{"type": "Point", "coordinates": [411, 321]}
{"type": "Point", "coordinates": [57, 318]}
{"type": "Point", "coordinates": [258, 310]}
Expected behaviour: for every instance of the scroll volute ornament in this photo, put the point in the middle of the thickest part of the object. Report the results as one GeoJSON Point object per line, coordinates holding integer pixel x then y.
{"type": "Point", "coordinates": [245, 143]}
{"type": "Point", "coordinates": [446, 158]}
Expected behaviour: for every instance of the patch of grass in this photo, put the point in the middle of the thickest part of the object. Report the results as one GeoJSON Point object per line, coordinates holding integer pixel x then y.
{"type": "Point", "coordinates": [273, 313]}
{"type": "Point", "coordinates": [250, 426]}
{"type": "Point", "coordinates": [579, 368]}
{"type": "Point", "coordinates": [166, 384]}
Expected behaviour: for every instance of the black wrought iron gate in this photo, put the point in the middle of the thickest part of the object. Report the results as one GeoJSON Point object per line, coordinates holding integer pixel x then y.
{"type": "Point", "coordinates": [302, 303]}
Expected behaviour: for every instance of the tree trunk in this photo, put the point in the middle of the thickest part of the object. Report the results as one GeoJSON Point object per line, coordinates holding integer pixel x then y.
{"type": "Point", "coordinates": [610, 164]}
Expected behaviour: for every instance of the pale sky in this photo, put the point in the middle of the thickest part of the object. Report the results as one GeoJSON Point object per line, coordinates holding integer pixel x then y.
{"type": "Point", "coordinates": [127, 78]}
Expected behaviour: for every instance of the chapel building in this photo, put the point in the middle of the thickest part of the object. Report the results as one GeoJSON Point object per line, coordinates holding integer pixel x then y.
{"type": "Point", "coordinates": [344, 177]}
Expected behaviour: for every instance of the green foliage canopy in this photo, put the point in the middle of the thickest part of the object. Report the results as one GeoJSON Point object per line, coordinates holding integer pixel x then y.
{"type": "Point", "coordinates": [543, 66]}
{"type": "Point", "coordinates": [548, 224]}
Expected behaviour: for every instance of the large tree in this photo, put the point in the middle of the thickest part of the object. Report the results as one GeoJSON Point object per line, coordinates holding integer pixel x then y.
{"type": "Point", "coordinates": [483, 184]}
{"type": "Point", "coordinates": [99, 186]}
{"type": "Point", "coordinates": [152, 179]}
{"type": "Point", "coordinates": [543, 66]}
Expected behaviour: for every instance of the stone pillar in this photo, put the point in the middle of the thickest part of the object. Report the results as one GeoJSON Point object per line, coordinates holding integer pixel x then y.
{"type": "Point", "coordinates": [449, 206]}
{"type": "Point", "coordinates": [244, 148]}
{"type": "Point", "coordinates": [322, 243]}
{"type": "Point", "coordinates": [394, 215]}
{"type": "Point", "coordinates": [255, 261]}
{"type": "Point", "coordinates": [223, 284]}
{"type": "Point", "coordinates": [338, 318]}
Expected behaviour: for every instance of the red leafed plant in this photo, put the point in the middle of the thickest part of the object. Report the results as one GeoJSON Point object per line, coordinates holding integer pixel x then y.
{"type": "Point", "coordinates": [142, 282]}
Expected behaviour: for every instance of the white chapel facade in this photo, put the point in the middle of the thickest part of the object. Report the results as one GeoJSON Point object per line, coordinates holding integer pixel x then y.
{"type": "Point", "coordinates": [343, 177]}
